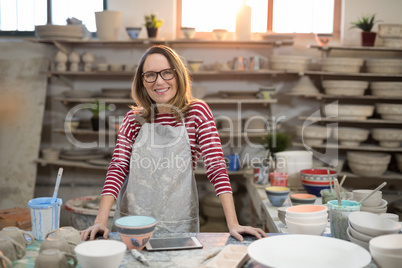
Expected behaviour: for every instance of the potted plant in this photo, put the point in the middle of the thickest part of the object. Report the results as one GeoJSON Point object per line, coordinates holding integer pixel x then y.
{"type": "Point", "coordinates": [96, 108]}
{"type": "Point", "coordinates": [366, 23]}
{"type": "Point", "coordinates": [276, 142]}
{"type": "Point", "coordinates": [152, 24]}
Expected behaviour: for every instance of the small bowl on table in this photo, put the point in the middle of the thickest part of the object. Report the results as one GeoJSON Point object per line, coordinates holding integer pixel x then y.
{"type": "Point", "coordinates": [302, 199]}
{"type": "Point", "coordinates": [315, 180]}
{"type": "Point", "coordinates": [100, 253]}
{"type": "Point", "coordinates": [133, 32]}
{"type": "Point", "coordinates": [277, 194]}
{"type": "Point", "coordinates": [135, 231]}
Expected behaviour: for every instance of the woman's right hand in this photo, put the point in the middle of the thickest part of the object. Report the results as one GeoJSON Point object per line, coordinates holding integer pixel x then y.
{"type": "Point", "coordinates": [92, 231]}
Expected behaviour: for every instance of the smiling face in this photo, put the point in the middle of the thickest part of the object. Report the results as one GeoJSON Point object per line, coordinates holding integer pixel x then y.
{"type": "Point", "coordinates": [161, 91]}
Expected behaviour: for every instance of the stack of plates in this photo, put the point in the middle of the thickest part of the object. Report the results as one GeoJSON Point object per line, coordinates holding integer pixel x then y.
{"type": "Point", "coordinates": [363, 226]}
{"type": "Point", "coordinates": [60, 31]}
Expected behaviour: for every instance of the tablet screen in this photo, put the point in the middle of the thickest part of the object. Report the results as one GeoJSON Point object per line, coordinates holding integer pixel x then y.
{"type": "Point", "coordinates": [173, 243]}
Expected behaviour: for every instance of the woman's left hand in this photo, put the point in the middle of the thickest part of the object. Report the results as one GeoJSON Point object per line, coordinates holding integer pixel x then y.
{"type": "Point", "coordinates": [239, 229]}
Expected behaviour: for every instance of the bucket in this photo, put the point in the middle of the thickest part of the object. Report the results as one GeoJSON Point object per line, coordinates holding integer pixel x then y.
{"type": "Point", "coordinates": [108, 24]}
{"type": "Point", "coordinates": [45, 216]}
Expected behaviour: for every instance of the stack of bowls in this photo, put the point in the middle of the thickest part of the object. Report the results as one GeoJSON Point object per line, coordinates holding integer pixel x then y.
{"type": "Point", "coordinates": [374, 204]}
{"type": "Point", "coordinates": [135, 231]}
{"type": "Point", "coordinates": [387, 250]}
{"type": "Point", "coordinates": [342, 65]}
{"type": "Point", "coordinates": [384, 66]}
{"type": "Point", "coordinates": [345, 87]}
{"type": "Point", "coordinates": [277, 194]}
{"type": "Point", "coordinates": [282, 214]}
{"type": "Point", "coordinates": [368, 164]}
{"type": "Point", "coordinates": [315, 180]}
{"type": "Point", "coordinates": [386, 89]}
{"type": "Point", "coordinates": [307, 219]}
{"type": "Point", "coordinates": [350, 112]}
{"type": "Point", "coordinates": [302, 199]}
{"type": "Point", "coordinates": [289, 62]}
{"type": "Point", "coordinates": [364, 226]}
{"type": "Point", "coordinates": [313, 135]}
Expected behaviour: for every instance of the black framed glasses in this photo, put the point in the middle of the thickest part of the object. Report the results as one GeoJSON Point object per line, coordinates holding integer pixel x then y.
{"type": "Point", "coordinates": [166, 74]}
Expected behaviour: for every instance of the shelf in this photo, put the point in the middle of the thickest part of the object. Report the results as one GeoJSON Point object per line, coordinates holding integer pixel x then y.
{"type": "Point", "coordinates": [362, 97]}
{"type": "Point", "coordinates": [353, 74]}
{"type": "Point", "coordinates": [128, 100]}
{"type": "Point", "coordinates": [362, 147]}
{"type": "Point", "coordinates": [388, 175]}
{"type": "Point", "coordinates": [340, 120]}
{"type": "Point", "coordinates": [66, 163]}
{"type": "Point", "coordinates": [357, 48]}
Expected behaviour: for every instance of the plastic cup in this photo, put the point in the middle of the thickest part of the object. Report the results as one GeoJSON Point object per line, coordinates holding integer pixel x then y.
{"type": "Point", "coordinates": [339, 217]}
{"type": "Point", "coordinates": [45, 216]}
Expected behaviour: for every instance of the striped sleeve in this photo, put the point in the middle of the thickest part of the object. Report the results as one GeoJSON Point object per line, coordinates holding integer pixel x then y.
{"type": "Point", "coordinates": [207, 138]}
{"type": "Point", "coordinates": [119, 166]}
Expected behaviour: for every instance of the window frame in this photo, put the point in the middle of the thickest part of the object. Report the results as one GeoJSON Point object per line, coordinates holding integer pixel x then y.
{"type": "Point", "coordinates": [49, 21]}
{"type": "Point", "coordinates": [335, 31]}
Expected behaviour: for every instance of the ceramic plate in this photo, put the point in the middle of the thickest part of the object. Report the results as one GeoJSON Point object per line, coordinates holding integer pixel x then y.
{"type": "Point", "coordinates": [307, 251]}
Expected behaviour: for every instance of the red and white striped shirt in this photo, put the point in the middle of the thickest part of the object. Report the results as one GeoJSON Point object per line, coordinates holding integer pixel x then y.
{"type": "Point", "coordinates": [203, 137]}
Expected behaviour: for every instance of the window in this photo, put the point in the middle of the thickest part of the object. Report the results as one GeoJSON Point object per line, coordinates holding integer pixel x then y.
{"type": "Point", "coordinates": [23, 15]}
{"type": "Point", "coordinates": [281, 16]}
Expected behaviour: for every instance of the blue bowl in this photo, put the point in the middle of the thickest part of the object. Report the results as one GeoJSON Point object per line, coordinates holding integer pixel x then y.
{"type": "Point", "coordinates": [314, 189]}
{"type": "Point", "coordinates": [133, 32]}
{"type": "Point", "coordinates": [277, 195]}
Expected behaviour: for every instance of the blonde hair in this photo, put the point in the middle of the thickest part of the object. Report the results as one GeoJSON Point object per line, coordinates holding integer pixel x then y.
{"type": "Point", "coordinates": [183, 98]}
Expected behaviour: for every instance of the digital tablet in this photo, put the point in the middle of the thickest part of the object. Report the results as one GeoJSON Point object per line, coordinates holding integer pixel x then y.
{"type": "Point", "coordinates": [173, 243]}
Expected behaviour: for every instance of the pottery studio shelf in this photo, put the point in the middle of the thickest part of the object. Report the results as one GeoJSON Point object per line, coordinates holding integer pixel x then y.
{"type": "Point", "coordinates": [327, 49]}
{"type": "Point", "coordinates": [343, 120]}
{"type": "Point", "coordinates": [362, 147]}
{"type": "Point", "coordinates": [388, 175]}
{"type": "Point", "coordinates": [362, 97]}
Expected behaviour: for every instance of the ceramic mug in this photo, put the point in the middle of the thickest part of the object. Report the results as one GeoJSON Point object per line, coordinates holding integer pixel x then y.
{"type": "Point", "coordinates": [55, 258]}
{"type": "Point", "coordinates": [56, 243]}
{"type": "Point", "coordinates": [68, 233]}
{"type": "Point", "coordinates": [4, 261]}
{"type": "Point", "coordinates": [18, 235]}
{"type": "Point", "coordinates": [11, 249]}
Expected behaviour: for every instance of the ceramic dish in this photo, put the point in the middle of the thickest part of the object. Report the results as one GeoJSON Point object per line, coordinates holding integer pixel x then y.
{"type": "Point", "coordinates": [307, 251]}
{"type": "Point", "coordinates": [230, 256]}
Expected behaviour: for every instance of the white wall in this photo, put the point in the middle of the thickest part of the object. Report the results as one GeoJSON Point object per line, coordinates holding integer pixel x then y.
{"type": "Point", "coordinates": [388, 11]}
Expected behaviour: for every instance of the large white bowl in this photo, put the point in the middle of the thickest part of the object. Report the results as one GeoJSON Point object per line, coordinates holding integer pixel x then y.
{"type": "Point", "coordinates": [384, 66]}
{"type": "Point", "coordinates": [386, 260]}
{"type": "Point", "coordinates": [342, 65]}
{"type": "Point", "coordinates": [372, 224]}
{"type": "Point", "coordinates": [355, 240]}
{"type": "Point", "coordinates": [350, 136]}
{"type": "Point", "coordinates": [289, 62]}
{"type": "Point", "coordinates": [386, 89]}
{"type": "Point", "coordinates": [303, 228]}
{"type": "Point", "coordinates": [100, 253]}
{"type": "Point", "coordinates": [388, 244]}
{"type": "Point", "coordinates": [368, 158]}
{"type": "Point", "coordinates": [372, 201]}
{"type": "Point", "coordinates": [389, 111]}
{"type": "Point", "coordinates": [307, 251]}
{"type": "Point", "coordinates": [345, 87]}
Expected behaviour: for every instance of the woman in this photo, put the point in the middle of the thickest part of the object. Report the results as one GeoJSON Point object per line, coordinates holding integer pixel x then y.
{"type": "Point", "coordinates": [158, 146]}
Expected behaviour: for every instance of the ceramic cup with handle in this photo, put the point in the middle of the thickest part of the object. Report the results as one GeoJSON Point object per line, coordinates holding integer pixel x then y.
{"type": "Point", "coordinates": [68, 233]}
{"type": "Point", "coordinates": [4, 261]}
{"type": "Point", "coordinates": [11, 249]}
{"type": "Point", "coordinates": [56, 243]}
{"type": "Point", "coordinates": [56, 259]}
{"type": "Point", "coordinates": [18, 235]}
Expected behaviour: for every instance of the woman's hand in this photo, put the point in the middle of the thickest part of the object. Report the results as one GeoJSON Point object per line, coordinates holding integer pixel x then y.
{"type": "Point", "coordinates": [237, 230]}
{"type": "Point", "coordinates": [91, 232]}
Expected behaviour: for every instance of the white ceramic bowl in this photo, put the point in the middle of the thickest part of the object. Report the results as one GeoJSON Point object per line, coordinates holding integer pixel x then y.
{"type": "Point", "coordinates": [345, 111]}
{"type": "Point", "coordinates": [100, 253]}
{"type": "Point", "coordinates": [390, 138]}
{"type": "Point", "coordinates": [342, 65]}
{"type": "Point", "coordinates": [355, 240]}
{"type": "Point", "coordinates": [386, 89]}
{"type": "Point", "coordinates": [188, 32]}
{"type": "Point", "coordinates": [374, 210]}
{"type": "Point", "coordinates": [289, 62]}
{"type": "Point", "coordinates": [386, 260]}
{"type": "Point", "coordinates": [372, 201]}
{"type": "Point", "coordinates": [350, 136]}
{"type": "Point", "coordinates": [372, 225]}
{"type": "Point", "coordinates": [308, 229]}
{"type": "Point", "coordinates": [358, 235]}
{"type": "Point", "coordinates": [307, 211]}
{"type": "Point", "coordinates": [345, 87]}
{"type": "Point", "coordinates": [389, 111]}
{"type": "Point", "coordinates": [391, 216]}
{"type": "Point", "coordinates": [388, 244]}
{"type": "Point", "coordinates": [384, 66]}
{"type": "Point", "coordinates": [314, 220]}
{"type": "Point", "coordinates": [368, 158]}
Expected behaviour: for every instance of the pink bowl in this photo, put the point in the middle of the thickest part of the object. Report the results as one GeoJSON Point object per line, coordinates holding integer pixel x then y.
{"type": "Point", "coordinates": [306, 211]}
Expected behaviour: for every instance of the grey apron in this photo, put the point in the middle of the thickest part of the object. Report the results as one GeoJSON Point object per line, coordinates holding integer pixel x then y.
{"type": "Point", "coordinates": [161, 181]}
